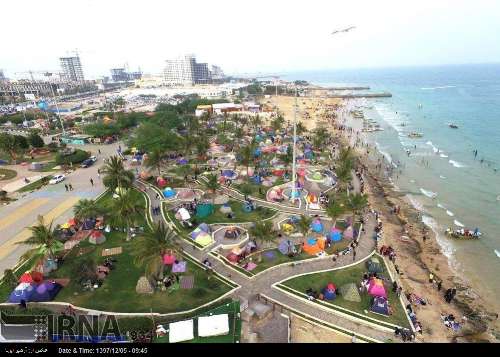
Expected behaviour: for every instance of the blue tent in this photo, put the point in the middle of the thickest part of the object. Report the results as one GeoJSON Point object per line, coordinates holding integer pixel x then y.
{"type": "Point", "coordinates": [43, 105]}
{"type": "Point", "coordinates": [23, 291]}
{"type": "Point", "coordinates": [329, 294]}
{"type": "Point", "coordinates": [380, 305]}
{"type": "Point", "coordinates": [335, 236]}
{"type": "Point", "coordinates": [317, 226]}
{"type": "Point", "coordinates": [257, 152]}
{"type": "Point", "coordinates": [257, 179]}
{"type": "Point", "coordinates": [169, 192]}
{"type": "Point", "coordinates": [46, 291]}
{"type": "Point", "coordinates": [88, 224]}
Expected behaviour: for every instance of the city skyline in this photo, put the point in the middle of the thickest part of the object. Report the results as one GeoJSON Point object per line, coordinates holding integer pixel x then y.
{"type": "Point", "coordinates": [268, 38]}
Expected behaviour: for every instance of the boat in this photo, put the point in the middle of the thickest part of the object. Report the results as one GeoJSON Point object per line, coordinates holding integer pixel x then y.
{"type": "Point", "coordinates": [453, 126]}
{"type": "Point", "coordinates": [414, 134]}
{"type": "Point", "coordinates": [463, 233]}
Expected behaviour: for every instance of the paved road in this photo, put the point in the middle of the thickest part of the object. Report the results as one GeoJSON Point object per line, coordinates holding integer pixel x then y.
{"type": "Point", "coordinates": [52, 201]}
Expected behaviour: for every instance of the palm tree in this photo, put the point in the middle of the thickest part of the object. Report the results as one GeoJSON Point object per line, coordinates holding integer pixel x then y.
{"type": "Point", "coordinates": [125, 209]}
{"type": "Point", "coordinates": [246, 190]}
{"type": "Point", "coordinates": [301, 129]}
{"type": "Point", "coordinates": [148, 251]}
{"type": "Point", "coordinates": [288, 157]}
{"type": "Point", "coordinates": [115, 174]}
{"type": "Point", "coordinates": [246, 155]}
{"type": "Point", "coordinates": [344, 175]}
{"type": "Point", "coordinates": [256, 122]}
{"type": "Point", "coordinates": [43, 239]}
{"type": "Point", "coordinates": [320, 136]}
{"type": "Point", "coordinates": [277, 123]}
{"type": "Point", "coordinates": [263, 232]}
{"type": "Point", "coordinates": [154, 160]}
{"type": "Point", "coordinates": [212, 184]}
{"type": "Point", "coordinates": [85, 209]}
{"type": "Point", "coordinates": [334, 210]}
{"type": "Point", "coordinates": [304, 224]}
{"type": "Point", "coordinates": [356, 203]}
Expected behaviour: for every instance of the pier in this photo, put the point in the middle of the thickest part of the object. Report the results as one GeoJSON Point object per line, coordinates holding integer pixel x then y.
{"type": "Point", "coordinates": [361, 95]}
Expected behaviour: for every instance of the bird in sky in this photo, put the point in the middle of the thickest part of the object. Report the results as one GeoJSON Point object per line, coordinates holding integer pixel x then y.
{"type": "Point", "coordinates": [344, 30]}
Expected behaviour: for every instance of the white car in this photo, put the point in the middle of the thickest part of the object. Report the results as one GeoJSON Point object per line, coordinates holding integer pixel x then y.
{"type": "Point", "coordinates": [56, 179]}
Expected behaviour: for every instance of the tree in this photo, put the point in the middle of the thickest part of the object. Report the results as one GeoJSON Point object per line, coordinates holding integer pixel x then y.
{"type": "Point", "coordinates": [304, 224]}
{"type": "Point", "coordinates": [85, 209]}
{"type": "Point", "coordinates": [356, 203]}
{"type": "Point", "coordinates": [212, 184]}
{"type": "Point", "coordinates": [288, 157]}
{"type": "Point", "coordinates": [9, 278]}
{"type": "Point", "coordinates": [148, 251]}
{"type": "Point", "coordinates": [256, 123]}
{"type": "Point", "coordinates": [301, 129]}
{"type": "Point", "coordinates": [155, 160]}
{"type": "Point", "coordinates": [263, 232]}
{"type": "Point", "coordinates": [334, 210]}
{"type": "Point", "coordinates": [44, 241]}
{"type": "Point", "coordinates": [277, 123]}
{"type": "Point", "coordinates": [125, 209]}
{"type": "Point", "coordinates": [246, 190]}
{"type": "Point", "coordinates": [320, 137]}
{"type": "Point", "coordinates": [115, 175]}
{"type": "Point", "coordinates": [10, 145]}
{"type": "Point", "coordinates": [246, 155]}
{"type": "Point", "coordinates": [35, 140]}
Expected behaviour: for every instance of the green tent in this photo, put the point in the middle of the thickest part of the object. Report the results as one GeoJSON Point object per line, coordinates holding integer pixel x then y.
{"type": "Point", "coordinates": [204, 210]}
{"type": "Point", "coordinates": [374, 265]}
{"type": "Point", "coordinates": [350, 292]}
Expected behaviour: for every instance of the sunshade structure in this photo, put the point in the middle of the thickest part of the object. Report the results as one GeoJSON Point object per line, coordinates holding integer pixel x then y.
{"type": "Point", "coordinates": [313, 246]}
{"type": "Point", "coordinates": [317, 226]}
{"type": "Point", "coordinates": [169, 259]}
{"type": "Point", "coordinates": [335, 235]}
{"type": "Point", "coordinates": [202, 235]}
{"type": "Point", "coordinates": [181, 331]}
{"type": "Point", "coordinates": [275, 194]}
{"type": "Point", "coordinates": [376, 288]}
{"type": "Point", "coordinates": [380, 305]}
{"type": "Point", "coordinates": [46, 291]}
{"type": "Point", "coordinates": [215, 325]}
{"type": "Point", "coordinates": [161, 182]}
{"type": "Point", "coordinates": [97, 237]}
{"type": "Point", "coordinates": [23, 291]}
{"type": "Point", "coordinates": [31, 277]}
{"type": "Point", "coordinates": [374, 265]}
{"type": "Point", "coordinates": [287, 247]}
{"type": "Point", "coordinates": [350, 292]}
{"type": "Point", "coordinates": [230, 174]}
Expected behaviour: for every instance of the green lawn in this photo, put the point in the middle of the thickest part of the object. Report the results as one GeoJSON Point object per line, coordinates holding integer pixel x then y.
{"type": "Point", "coordinates": [279, 258]}
{"type": "Point", "coordinates": [118, 290]}
{"type": "Point", "coordinates": [232, 309]}
{"type": "Point", "coordinates": [354, 274]}
{"type": "Point", "coordinates": [6, 174]}
{"type": "Point", "coordinates": [239, 215]}
{"type": "Point", "coordinates": [35, 185]}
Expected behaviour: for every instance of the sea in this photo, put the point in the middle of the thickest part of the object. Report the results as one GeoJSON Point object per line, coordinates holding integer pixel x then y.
{"type": "Point", "coordinates": [442, 176]}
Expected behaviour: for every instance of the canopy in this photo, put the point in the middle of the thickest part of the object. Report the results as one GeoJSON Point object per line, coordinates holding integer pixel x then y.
{"type": "Point", "coordinates": [380, 305]}
{"type": "Point", "coordinates": [329, 293]}
{"type": "Point", "coordinates": [349, 232]}
{"type": "Point", "coordinates": [161, 181]}
{"type": "Point", "coordinates": [204, 239]}
{"type": "Point", "coordinates": [233, 258]}
{"type": "Point", "coordinates": [46, 291]}
{"type": "Point", "coordinates": [204, 210]}
{"type": "Point", "coordinates": [181, 331]}
{"type": "Point", "coordinates": [335, 236]}
{"type": "Point", "coordinates": [286, 247]}
{"type": "Point", "coordinates": [169, 192]}
{"type": "Point", "coordinates": [376, 288]}
{"type": "Point", "coordinates": [23, 291]}
{"type": "Point", "coordinates": [374, 265]}
{"type": "Point", "coordinates": [215, 325]}
{"type": "Point", "coordinates": [314, 246]}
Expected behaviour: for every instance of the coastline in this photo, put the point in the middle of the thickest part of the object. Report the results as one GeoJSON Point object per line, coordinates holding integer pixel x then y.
{"type": "Point", "coordinates": [416, 258]}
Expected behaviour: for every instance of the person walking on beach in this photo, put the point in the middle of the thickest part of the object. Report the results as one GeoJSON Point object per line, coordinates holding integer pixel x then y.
{"type": "Point", "coordinates": [91, 182]}
{"type": "Point", "coordinates": [353, 254]}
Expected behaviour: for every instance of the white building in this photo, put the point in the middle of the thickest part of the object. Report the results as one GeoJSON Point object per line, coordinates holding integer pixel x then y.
{"type": "Point", "coordinates": [185, 71]}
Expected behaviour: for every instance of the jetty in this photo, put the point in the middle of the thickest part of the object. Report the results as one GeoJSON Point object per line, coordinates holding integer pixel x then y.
{"type": "Point", "coordinates": [361, 95]}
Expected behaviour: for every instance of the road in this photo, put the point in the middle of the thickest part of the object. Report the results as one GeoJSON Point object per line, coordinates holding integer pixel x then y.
{"type": "Point", "coordinates": [52, 201]}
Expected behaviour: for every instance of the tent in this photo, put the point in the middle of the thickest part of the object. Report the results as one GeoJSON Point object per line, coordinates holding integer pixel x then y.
{"type": "Point", "coordinates": [233, 258]}
{"type": "Point", "coordinates": [97, 237]}
{"type": "Point", "coordinates": [182, 161]}
{"type": "Point", "coordinates": [88, 224]}
{"type": "Point", "coordinates": [31, 277]}
{"type": "Point", "coordinates": [374, 265]}
{"type": "Point", "coordinates": [183, 214]}
{"type": "Point", "coordinates": [169, 192]}
{"type": "Point", "coordinates": [160, 181]}
{"type": "Point", "coordinates": [204, 210]}
{"type": "Point", "coordinates": [376, 288]}
{"type": "Point", "coordinates": [202, 235]}
{"type": "Point", "coordinates": [230, 174]}
{"type": "Point", "coordinates": [317, 226]}
{"type": "Point", "coordinates": [313, 246]}
{"type": "Point", "coordinates": [168, 259]}
{"type": "Point", "coordinates": [287, 228]}
{"type": "Point", "coordinates": [350, 292]}
{"type": "Point", "coordinates": [276, 195]}
{"type": "Point", "coordinates": [286, 247]}
{"type": "Point", "coordinates": [46, 291]}
{"type": "Point", "coordinates": [380, 305]}
{"type": "Point", "coordinates": [329, 292]}
{"type": "Point", "coordinates": [23, 291]}
{"type": "Point", "coordinates": [349, 232]}
{"type": "Point", "coordinates": [181, 331]}
{"type": "Point", "coordinates": [215, 325]}
{"type": "Point", "coordinates": [335, 235]}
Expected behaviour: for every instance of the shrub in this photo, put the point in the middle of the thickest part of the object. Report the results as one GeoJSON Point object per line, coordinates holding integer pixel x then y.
{"type": "Point", "coordinates": [75, 158]}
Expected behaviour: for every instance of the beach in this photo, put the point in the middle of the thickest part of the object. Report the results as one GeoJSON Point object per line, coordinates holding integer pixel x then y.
{"type": "Point", "coordinates": [416, 259]}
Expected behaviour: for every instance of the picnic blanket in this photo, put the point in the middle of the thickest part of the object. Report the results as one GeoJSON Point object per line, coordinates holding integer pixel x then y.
{"type": "Point", "coordinates": [187, 282]}
{"type": "Point", "coordinates": [180, 267]}
{"type": "Point", "coordinates": [112, 251]}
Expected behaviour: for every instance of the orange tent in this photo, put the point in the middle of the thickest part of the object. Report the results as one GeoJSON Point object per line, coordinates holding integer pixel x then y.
{"type": "Point", "coordinates": [313, 246]}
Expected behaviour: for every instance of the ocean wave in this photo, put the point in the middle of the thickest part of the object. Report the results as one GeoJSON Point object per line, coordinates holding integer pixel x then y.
{"type": "Point", "coordinates": [439, 87]}
{"type": "Point", "coordinates": [387, 156]}
{"type": "Point", "coordinates": [457, 223]}
{"type": "Point", "coordinates": [444, 156]}
{"type": "Point", "coordinates": [450, 213]}
{"type": "Point", "coordinates": [442, 177]}
{"type": "Point", "coordinates": [416, 203]}
{"type": "Point", "coordinates": [441, 206]}
{"type": "Point", "coordinates": [456, 164]}
{"type": "Point", "coordinates": [497, 253]}
{"type": "Point", "coordinates": [427, 193]}
{"type": "Point", "coordinates": [446, 245]}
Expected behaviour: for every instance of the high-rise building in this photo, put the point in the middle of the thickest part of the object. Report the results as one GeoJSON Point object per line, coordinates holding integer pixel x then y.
{"type": "Point", "coordinates": [186, 71]}
{"type": "Point", "coordinates": [2, 76]}
{"type": "Point", "coordinates": [119, 75]}
{"type": "Point", "coordinates": [72, 69]}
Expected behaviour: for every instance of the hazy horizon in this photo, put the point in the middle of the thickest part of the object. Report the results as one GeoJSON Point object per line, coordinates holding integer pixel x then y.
{"type": "Point", "coordinates": [262, 36]}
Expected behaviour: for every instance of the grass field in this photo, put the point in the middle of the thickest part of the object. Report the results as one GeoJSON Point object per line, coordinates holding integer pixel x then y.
{"type": "Point", "coordinates": [239, 214]}
{"type": "Point", "coordinates": [6, 174]}
{"type": "Point", "coordinates": [278, 259]}
{"type": "Point", "coordinates": [35, 185]}
{"type": "Point", "coordinates": [354, 274]}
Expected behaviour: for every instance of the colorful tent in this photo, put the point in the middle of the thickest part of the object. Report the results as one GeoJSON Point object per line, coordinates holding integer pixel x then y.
{"type": "Point", "coordinates": [23, 291]}
{"type": "Point", "coordinates": [317, 226]}
{"type": "Point", "coordinates": [329, 292]}
{"type": "Point", "coordinates": [183, 214]}
{"type": "Point", "coordinates": [380, 305]}
{"type": "Point", "coordinates": [313, 246]}
{"type": "Point", "coordinates": [233, 258]}
{"type": "Point", "coordinates": [230, 174]}
{"type": "Point", "coordinates": [31, 277]}
{"type": "Point", "coordinates": [335, 235]}
{"type": "Point", "coordinates": [168, 259]}
{"type": "Point", "coordinates": [287, 228]}
{"type": "Point", "coordinates": [160, 181]}
{"type": "Point", "coordinates": [350, 292]}
{"type": "Point", "coordinates": [169, 192]}
{"type": "Point", "coordinates": [204, 210]}
{"type": "Point", "coordinates": [202, 235]}
{"type": "Point", "coordinates": [72, 222]}
{"type": "Point", "coordinates": [349, 233]}
{"type": "Point", "coordinates": [376, 288]}
{"type": "Point", "coordinates": [46, 291]}
{"type": "Point", "coordinates": [286, 247]}
{"type": "Point", "coordinates": [97, 237]}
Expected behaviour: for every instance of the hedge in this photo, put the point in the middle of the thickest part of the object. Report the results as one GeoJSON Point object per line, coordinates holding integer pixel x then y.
{"type": "Point", "coordinates": [75, 158]}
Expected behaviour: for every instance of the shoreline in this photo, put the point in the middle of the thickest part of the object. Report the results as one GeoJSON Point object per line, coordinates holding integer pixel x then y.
{"type": "Point", "coordinates": [419, 257]}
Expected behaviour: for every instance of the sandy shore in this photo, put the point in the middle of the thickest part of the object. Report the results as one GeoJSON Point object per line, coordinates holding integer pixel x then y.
{"type": "Point", "coordinates": [415, 259]}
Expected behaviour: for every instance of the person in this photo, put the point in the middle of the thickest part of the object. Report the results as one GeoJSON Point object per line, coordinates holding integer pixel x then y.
{"type": "Point", "coordinates": [23, 304]}
{"type": "Point", "coordinates": [70, 187]}
{"type": "Point", "coordinates": [91, 181]}
{"type": "Point", "coordinates": [66, 187]}
{"type": "Point", "coordinates": [353, 254]}
{"type": "Point", "coordinates": [431, 278]}
{"type": "Point", "coordinates": [440, 284]}
{"type": "Point", "coordinates": [99, 151]}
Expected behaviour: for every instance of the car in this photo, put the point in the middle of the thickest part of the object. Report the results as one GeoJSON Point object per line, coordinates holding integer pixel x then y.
{"type": "Point", "coordinates": [89, 162]}
{"type": "Point", "coordinates": [56, 179]}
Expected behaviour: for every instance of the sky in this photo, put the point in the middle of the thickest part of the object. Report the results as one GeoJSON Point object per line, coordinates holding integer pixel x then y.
{"type": "Point", "coordinates": [267, 36]}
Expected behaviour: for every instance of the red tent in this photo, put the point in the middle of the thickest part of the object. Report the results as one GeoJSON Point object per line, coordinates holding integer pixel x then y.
{"type": "Point", "coordinates": [168, 259]}
{"type": "Point", "coordinates": [31, 277]}
{"type": "Point", "coordinates": [72, 222]}
{"type": "Point", "coordinates": [233, 258]}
